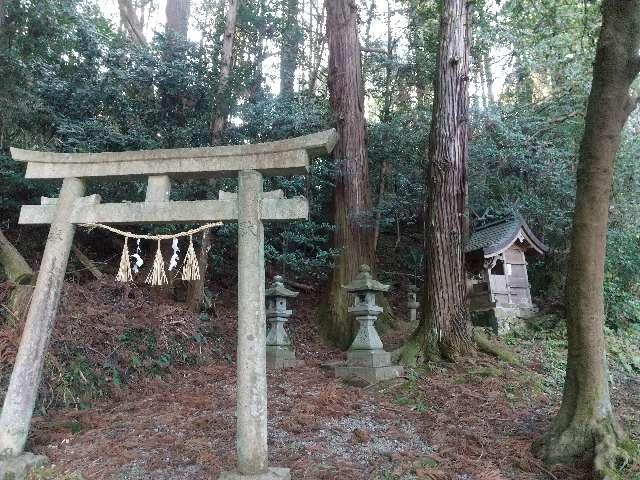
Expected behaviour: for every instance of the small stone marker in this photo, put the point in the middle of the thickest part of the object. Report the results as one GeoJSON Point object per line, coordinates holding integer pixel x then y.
{"type": "Point", "coordinates": [412, 303]}
{"type": "Point", "coordinates": [366, 358]}
{"type": "Point", "coordinates": [280, 353]}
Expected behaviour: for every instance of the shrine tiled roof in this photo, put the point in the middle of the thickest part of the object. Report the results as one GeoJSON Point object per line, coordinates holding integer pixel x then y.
{"type": "Point", "coordinates": [496, 236]}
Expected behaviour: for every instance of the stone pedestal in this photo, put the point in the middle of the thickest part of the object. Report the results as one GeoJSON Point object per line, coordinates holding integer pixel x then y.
{"type": "Point", "coordinates": [371, 366]}
{"type": "Point", "coordinates": [412, 303]}
{"type": "Point", "coordinates": [281, 357]}
{"type": "Point", "coordinates": [18, 467]}
{"type": "Point", "coordinates": [280, 353]}
{"type": "Point", "coordinates": [367, 361]}
{"type": "Point", "coordinates": [270, 474]}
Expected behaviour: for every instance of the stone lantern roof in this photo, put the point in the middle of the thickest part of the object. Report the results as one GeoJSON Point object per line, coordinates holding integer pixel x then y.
{"type": "Point", "coordinates": [364, 282]}
{"type": "Point", "coordinates": [277, 289]}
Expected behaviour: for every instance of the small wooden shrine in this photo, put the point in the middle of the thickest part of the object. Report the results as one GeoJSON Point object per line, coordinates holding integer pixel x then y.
{"type": "Point", "coordinates": [496, 258]}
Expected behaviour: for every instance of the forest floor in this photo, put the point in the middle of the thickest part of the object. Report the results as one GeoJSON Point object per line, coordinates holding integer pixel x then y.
{"type": "Point", "coordinates": [474, 420]}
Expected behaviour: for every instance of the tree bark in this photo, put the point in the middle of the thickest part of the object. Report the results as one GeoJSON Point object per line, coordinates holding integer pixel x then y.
{"type": "Point", "coordinates": [291, 37]}
{"type": "Point", "coordinates": [483, 83]}
{"type": "Point", "coordinates": [385, 117]}
{"type": "Point", "coordinates": [221, 100]}
{"type": "Point", "coordinates": [444, 328]}
{"type": "Point", "coordinates": [20, 274]}
{"type": "Point", "coordinates": [131, 22]}
{"type": "Point", "coordinates": [489, 78]}
{"type": "Point", "coordinates": [351, 195]}
{"type": "Point", "coordinates": [586, 422]}
{"type": "Point", "coordinates": [14, 265]}
{"type": "Point", "coordinates": [178, 13]}
{"type": "Point", "coordinates": [176, 31]}
{"type": "Point", "coordinates": [317, 43]}
{"type": "Point", "coordinates": [195, 289]}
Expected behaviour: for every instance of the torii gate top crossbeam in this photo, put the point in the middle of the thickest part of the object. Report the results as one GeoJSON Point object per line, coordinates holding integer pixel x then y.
{"type": "Point", "coordinates": [283, 157]}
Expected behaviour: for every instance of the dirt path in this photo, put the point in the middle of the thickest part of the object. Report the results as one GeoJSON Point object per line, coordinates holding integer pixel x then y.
{"type": "Point", "coordinates": [471, 421]}
{"type": "Point", "coordinates": [474, 421]}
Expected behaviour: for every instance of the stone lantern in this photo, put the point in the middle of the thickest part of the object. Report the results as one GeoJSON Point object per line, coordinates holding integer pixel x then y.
{"type": "Point", "coordinates": [412, 302]}
{"type": "Point", "coordinates": [366, 358]}
{"type": "Point", "coordinates": [280, 352]}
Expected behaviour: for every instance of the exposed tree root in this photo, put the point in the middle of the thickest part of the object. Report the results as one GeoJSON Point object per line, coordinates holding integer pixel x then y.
{"type": "Point", "coordinates": [411, 353]}
{"type": "Point", "coordinates": [487, 346]}
{"type": "Point", "coordinates": [613, 452]}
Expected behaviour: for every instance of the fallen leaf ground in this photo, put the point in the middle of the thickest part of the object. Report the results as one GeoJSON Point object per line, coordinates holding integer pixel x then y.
{"type": "Point", "coordinates": [471, 421]}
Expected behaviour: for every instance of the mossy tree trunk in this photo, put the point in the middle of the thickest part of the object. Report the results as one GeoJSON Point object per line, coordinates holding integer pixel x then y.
{"type": "Point", "coordinates": [586, 423]}
{"type": "Point", "coordinates": [444, 329]}
{"type": "Point", "coordinates": [352, 233]}
{"type": "Point", "coordinates": [20, 274]}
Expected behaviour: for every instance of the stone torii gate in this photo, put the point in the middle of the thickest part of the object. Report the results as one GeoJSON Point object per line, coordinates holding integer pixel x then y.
{"type": "Point", "coordinates": [250, 207]}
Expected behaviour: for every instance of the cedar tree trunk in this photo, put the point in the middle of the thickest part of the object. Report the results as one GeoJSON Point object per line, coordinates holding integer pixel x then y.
{"type": "Point", "coordinates": [178, 12]}
{"type": "Point", "coordinates": [585, 423]}
{"type": "Point", "coordinates": [352, 233]}
{"type": "Point", "coordinates": [444, 329]}
{"type": "Point", "coordinates": [221, 99]}
{"type": "Point", "coordinates": [176, 30]}
{"type": "Point", "coordinates": [291, 37]}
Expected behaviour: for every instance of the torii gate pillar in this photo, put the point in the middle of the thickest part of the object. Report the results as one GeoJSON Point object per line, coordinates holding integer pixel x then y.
{"type": "Point", "coordinates": [251, 435]}
{"type": "Point", "coordinates": [25, 377]}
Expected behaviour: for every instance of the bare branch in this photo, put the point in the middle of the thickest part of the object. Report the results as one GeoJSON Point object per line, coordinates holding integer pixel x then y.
{"type": "Point", "coordinates": [373, 50]}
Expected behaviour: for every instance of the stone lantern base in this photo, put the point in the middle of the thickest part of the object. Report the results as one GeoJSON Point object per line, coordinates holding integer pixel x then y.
{"type": "Point", "coordinates": [18, 467]}
{"type": "Point", "coordinates": [371, 366]}
{"type": "Point", "coordinates": [280, 357]}
{"type": "Point", "coordinates": [273, 473]}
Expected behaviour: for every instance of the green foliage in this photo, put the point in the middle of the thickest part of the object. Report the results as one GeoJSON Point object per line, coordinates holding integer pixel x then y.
{"type": "Point", "coordinates": [46, 473]}
{"type": "Point", "coordinates": [410, 395]}
{"type": "Point", "coordinates": [72, 82]}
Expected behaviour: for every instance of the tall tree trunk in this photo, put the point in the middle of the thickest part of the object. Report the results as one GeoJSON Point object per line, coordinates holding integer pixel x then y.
{"type": "Point", "coordinates": [486, 66]}
{"type": "Point", "coordinates": [178, 13]}
{"type": "Point", "coordinates": [196, 288]}
{"type": "Point", "coordinates": [351, 194]}
{"type": "Point", "coordinates": [317, 43]}
{"type": "Point", "coordinates": [221, 100]}
{"type": "Point", "coordinates": [291, 37]}
{"type": "Point", "coordinates": [483, 82]}
{"type": "Point", "coordinates": [131, 22]}
{"type": "Point", "coordinates": [444, 328]}
{"type": "Point", "coordinates": [586, 422]}
{"type": "Point", "coordinates": [3, 12]}
{"type": "Point", "coordinates": [258, 53]}
{"type": "Point", "coordinates": [20, 274]}
{"type": "Point", "coordinates": [176, 29]}
{"type": "Point", "coordinates": [385, 117]}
